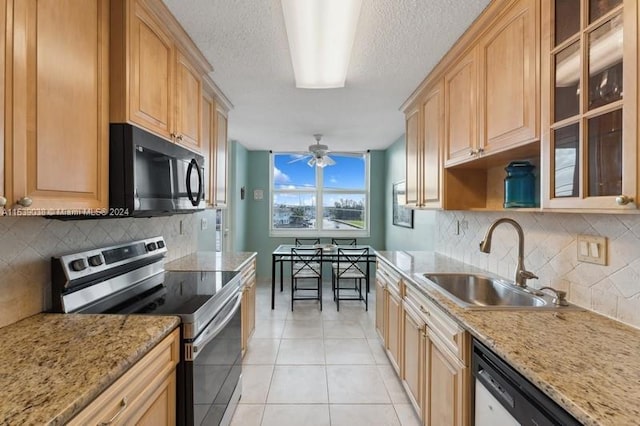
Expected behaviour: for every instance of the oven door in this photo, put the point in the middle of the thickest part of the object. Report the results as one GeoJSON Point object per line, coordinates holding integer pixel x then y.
{"type": "Point", "coordinates": [212, 375]}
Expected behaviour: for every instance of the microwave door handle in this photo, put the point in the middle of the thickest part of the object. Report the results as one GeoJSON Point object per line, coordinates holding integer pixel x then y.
{"type": "Point", "coordinates": [208, 334]}
{"type": "Point", "coordinates": [193, 164]}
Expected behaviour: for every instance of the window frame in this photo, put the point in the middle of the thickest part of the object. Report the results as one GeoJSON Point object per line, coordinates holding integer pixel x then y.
{"type": "Point", "coordinates": [319, 192]}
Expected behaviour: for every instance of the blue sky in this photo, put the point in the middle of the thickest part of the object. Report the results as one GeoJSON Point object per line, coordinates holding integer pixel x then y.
{"type": "Point", "coordinates": [347, 173]}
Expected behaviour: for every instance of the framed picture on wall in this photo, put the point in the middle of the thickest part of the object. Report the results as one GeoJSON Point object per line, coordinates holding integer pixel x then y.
{"type": "Point", "coordinates": [402, 216]}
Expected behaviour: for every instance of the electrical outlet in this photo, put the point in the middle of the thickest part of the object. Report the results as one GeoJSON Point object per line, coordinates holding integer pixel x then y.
{"type": "Point", "coordinates": [203, 223]}
{"type": "Point", "coordinates": [592, 249]}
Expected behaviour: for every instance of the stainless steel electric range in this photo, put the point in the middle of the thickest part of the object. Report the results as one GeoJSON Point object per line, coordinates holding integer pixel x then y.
{"type": "Point", "coordinates": [130, 279]}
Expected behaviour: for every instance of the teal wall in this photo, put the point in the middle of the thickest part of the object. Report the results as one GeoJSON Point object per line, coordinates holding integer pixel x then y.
{"type": "Point", "coordinates": [421, 237]}
{"type": "Point", "coordinates": [257, 217]}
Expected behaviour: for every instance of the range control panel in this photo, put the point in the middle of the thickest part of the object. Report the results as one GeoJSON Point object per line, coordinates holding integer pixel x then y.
{"type": "Point", "coordinates": [80, 265]}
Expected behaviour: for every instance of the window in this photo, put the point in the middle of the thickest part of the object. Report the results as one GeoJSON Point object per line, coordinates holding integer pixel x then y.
{"type": "Point", "coordinates": [317, 200]}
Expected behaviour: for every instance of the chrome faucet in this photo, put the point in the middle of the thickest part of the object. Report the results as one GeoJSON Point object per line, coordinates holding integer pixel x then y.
{"type": "Point", "coordinates": [522, 275]}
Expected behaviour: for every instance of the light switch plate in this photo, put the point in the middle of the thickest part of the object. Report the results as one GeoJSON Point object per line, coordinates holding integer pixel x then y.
{"type": "Point", "coordinates": [592, 249]}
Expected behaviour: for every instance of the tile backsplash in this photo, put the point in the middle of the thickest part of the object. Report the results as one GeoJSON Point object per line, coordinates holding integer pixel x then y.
{"type": "Point", "coordinates": [551, 253]}
{"type": "Point", "coordinates": [27, 244]}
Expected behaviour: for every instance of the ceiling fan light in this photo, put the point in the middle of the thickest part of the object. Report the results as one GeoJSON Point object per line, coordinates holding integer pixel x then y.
{"type": "Point", "coordinates": [321, 34]}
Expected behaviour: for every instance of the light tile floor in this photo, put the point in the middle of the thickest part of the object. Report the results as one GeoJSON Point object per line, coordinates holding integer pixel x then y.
{"type": "Point", "coordinates": [308, 367]}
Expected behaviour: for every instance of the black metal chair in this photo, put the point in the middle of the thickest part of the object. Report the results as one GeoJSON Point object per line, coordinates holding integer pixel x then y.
{"type": "Point", "coordinates": [306, 264]}
{"type": "Point", "coordinates": [298, 242]}
{"type": "Point", "coordinates": [344, 241]}
{"type": "Point", "coordinates": [307, 241]}
{"type": "Point", "coordinates": [351, 264]}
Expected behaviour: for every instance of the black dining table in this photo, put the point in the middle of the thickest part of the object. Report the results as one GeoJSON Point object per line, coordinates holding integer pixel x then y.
{"type": "Point", "coordinates": [282, 254]}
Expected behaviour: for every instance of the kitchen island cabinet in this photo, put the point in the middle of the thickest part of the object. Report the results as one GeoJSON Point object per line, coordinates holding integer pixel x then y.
{"type": "Point", "coordinates": [56, 365]}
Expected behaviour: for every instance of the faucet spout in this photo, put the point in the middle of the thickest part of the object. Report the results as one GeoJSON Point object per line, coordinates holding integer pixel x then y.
{"type": "Point", "coordinates": [522, 275]}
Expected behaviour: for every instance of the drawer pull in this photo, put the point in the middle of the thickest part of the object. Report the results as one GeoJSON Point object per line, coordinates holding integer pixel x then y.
{"type": "Point", "coordinates": [123, 405]}
{"type": "Point", "coordinates": [424, 311]}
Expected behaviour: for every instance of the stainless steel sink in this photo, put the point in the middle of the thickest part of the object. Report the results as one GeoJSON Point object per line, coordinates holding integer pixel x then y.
{"type": "Point", "coordinates": [476, 291]}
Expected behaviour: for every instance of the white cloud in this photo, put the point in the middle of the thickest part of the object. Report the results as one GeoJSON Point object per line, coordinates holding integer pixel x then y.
{"type": "Point", "coordinates": [280, 178]}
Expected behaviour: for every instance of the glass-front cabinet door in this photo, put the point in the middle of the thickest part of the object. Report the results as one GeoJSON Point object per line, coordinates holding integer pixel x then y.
{"type": "Point", "coordinates": [589, 103]}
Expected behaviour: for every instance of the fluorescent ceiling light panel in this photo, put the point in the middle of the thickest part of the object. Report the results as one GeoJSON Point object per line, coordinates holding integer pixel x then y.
{"type": "Point", "coordinates": [321, 34]}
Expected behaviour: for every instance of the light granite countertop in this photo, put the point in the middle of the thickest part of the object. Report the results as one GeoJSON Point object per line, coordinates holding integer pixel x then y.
{"type": "Point", "coordinates": [53, 365]}
{"type": "Point", "coordinates": [211, 261]}
{"type": "Point", "coordinates": [587, 363]}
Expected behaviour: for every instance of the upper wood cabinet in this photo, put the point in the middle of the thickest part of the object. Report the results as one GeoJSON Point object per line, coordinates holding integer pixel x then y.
{"type": "Point", "coordinates": [590, 104]}
{"type": "Point", "coordinates": [56, 110]}
{"type": "Point", "coordinates": [188, 104]}
{"type": "Point", "coordinates": [150, 73]}
{"type": "Point", "coordinates": [461, 110]}
{"type": "Point", "coordinates": [509, 81]}
{"type": "Point", "coordinates": [3, 46]}
{"type": "Point", "coordinates": [414, 157]}
{"type": "Point", "coordinates": [424, 141]}
{"type": "Point", "coordinates": [215, 143]}
{"type": "Point", "coordinates": [208, 138]}
{"type": "Point", "coordinates": [479, 110]}
{"type": "Point", "coordinates": [221, 157]}
{"type": "Point", "coordinates": [432, 143]}
{"type": "Point", "coordinates": [157, 72]}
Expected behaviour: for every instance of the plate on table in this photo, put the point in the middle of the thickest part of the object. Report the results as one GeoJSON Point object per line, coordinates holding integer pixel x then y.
{"type": "Point", "coordinates": [325, 247]}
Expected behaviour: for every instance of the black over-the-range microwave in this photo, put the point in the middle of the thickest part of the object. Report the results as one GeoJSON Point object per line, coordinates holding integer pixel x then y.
{"type": "Point", "coordinates": [150, 176]}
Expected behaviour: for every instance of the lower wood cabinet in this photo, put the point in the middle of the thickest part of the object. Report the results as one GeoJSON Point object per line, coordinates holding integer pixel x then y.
{"type": "Point", "coordinates": [428, 349]}
{"type": "Point", "coordinates": [413, 370]}
{"type": "Point", "coordinates": [248, 303]}
{"type": "Point", "coordinates": [380, 310]}
{"type": "Point", "coordinates": [144, 395]}
{"type": "Point", "coordinates": [394, 338]}
{"type": "Point", "coordinates": [447, 391]}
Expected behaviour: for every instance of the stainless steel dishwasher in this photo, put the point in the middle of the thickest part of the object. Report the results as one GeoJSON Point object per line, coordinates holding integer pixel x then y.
{"type": "Point", "coordinates": [503, 397]}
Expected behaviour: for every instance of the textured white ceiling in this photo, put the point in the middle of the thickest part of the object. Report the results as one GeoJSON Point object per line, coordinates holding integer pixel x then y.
{"type": "Point", "coordinates": [397, 43]}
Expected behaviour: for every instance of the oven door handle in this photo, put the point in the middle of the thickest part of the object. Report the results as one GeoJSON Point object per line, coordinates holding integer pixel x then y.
{"type": "Point", "coordinates": [209, 333]}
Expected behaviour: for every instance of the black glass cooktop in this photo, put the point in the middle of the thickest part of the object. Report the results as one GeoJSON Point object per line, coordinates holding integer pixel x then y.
{"type": "Point", "coordinates": [182, 293]}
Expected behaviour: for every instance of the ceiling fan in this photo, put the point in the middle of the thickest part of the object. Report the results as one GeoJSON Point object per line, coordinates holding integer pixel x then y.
{"type": "Point", "coordinates": [318, 153]}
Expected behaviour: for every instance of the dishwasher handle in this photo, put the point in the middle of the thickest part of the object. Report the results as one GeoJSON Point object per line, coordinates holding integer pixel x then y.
{"type": "Point", "coordinates": [494, 387]}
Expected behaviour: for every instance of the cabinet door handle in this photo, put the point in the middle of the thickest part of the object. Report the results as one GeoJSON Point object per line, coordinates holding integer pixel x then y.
{"type": "Point", "coordinates": [480, 151]}
{"type": "Point", "coordinates": [123, 405]}
{"type": "Point", "coordinates": [623, 200]}
{"type": "Point", "coordinates": [472, 152]}
{"type": "Point", "coordinates": [179, 137]}
{"type": "Point", "coordinates": [25, 201]}
{"type": "Point", "coordinates": [3, 201]}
